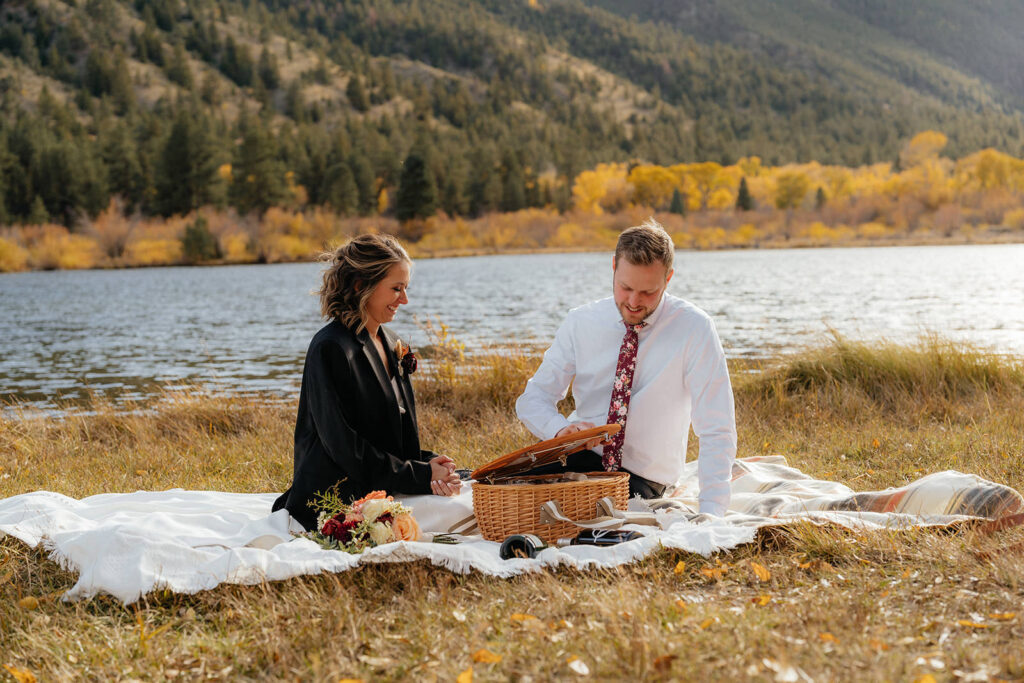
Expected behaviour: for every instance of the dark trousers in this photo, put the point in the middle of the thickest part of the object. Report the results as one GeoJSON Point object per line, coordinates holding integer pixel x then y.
{"type": "Point", "coordinates": [589, 461]}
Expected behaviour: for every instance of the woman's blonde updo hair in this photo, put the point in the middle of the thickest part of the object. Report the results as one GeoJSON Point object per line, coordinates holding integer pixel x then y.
{"type": "Point", "coordinates": [355, 269]}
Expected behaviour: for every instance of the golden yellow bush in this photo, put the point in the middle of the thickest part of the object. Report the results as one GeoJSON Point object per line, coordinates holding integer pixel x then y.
{"type": "Point", "coordinates": [568, 235]}
{"type": "Point", "coordinates": [52, 247]}
{"type": "Point", "coordinates": [154, 252]}
{"type": "Point", "coordinates": [872, 230]}
{"type": "Point", "coordinates": [235, 247]}
{"type": "Point", "coordinates": [277, 248]}
{"type": "Point", "coordinates": [12, 256]}
{"type": "Point", "coordinates": [1014, 219]}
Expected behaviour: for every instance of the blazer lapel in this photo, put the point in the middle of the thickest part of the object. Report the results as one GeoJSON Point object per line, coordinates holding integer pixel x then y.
{"type": "Point", "coordinates": [404, 384]}
{"type": "Point", "coordinates": [394, 418]}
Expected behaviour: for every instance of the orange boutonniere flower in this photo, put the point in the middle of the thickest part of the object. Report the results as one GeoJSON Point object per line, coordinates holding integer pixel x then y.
{"type": "Point", "coordinates": [407, 360]}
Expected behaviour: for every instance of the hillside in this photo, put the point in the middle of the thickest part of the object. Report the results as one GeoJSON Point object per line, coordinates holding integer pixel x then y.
{"type": "Point", "coordinates": [175, 104]}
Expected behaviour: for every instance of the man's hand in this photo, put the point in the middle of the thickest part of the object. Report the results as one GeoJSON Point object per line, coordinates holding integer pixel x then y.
{"type": "Point", "coordinates": [579, 427]}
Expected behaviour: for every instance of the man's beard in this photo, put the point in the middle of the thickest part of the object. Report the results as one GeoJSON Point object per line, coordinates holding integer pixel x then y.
{"type": "Point", "coordinates": [630, 316]}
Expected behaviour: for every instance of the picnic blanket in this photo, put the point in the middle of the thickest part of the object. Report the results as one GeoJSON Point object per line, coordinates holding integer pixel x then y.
{"type": "Point", "coordinates": [129, 544]}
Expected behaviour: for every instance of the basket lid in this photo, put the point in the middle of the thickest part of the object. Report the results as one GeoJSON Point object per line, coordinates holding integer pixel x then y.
{"type": "Point", "coordinates": [543, 452]}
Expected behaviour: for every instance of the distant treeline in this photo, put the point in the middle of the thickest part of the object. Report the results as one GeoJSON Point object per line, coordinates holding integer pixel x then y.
{"type": "Point", "coordinates": [172, 105]}
{"type": "Point", "coordinates": [703, 205]}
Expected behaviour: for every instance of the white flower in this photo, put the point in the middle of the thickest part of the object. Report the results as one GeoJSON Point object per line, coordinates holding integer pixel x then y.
{"type": "Point", "coordinates": [372, 509]}
{"type": "Point", "coordinates": [381, 534]}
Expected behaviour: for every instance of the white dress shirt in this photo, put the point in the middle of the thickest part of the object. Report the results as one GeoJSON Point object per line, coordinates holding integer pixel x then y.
{"type": "Point", "coordinates": [681, 378]}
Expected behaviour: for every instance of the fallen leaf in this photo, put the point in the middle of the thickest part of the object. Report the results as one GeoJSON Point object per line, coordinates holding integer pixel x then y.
{"type": "Point", "coordinates": [762, 600]}
{"type": "Point", "coordinates": [828, 637]}
{"type": "Point", "coordinates": [706, 623]}
{"type": "Point", "coordinates": [466, 676]}
{"type": "Point", "coordinates": [141, 473]}
{"type": "Point", "coordinates": [663, 664]}
{"type": "Point", "coordinates": [21, 675]}
{"type": "Point", "coordinates": [578, 665]}
{"type": "Point", "coordinates": [29, 602]}
{"type": "Point", "coordinates": [905, 574]}
{"type": "Point", "coordinates": [376, 662]}
{"type": "Point", "coordinates": [680, 568]}
{"type": "Point", "coordinates": [681, 604]}
{"type": "Point", "coordinates": [484, 656]}
{"type": "Point", "coordinates": [1003, 616]}
{"type": "Point", "coordinates": [875, 443]}
{"type": "Point", "coordinates": [970, 624]}
{"type": "Point", "coordinates": [927, 678]}
{"type": "Point", "coordinates": [522, 617]}
{"type": "Point", "coordinates": [877, 645]}
{"type": "Point", "coordinates": [762, 572]}
{"type": "Point", "coordinates": [352, 680]}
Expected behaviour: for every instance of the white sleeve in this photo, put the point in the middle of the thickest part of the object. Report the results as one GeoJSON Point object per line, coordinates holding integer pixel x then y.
{"type": "Point", "coordinates": [713, 418]}
{"type": "Point", "coordinates": [536, 407]}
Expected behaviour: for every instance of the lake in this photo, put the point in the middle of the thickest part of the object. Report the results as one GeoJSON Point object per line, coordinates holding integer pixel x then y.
{"type": "Point", "coordinates": [67, 334]}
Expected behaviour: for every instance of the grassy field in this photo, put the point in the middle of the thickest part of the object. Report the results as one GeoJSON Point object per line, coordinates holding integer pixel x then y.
{"type": "Point", "coordinates": [833, 605]}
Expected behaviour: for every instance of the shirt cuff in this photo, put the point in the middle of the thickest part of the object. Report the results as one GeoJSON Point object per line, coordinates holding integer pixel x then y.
{"type": "Point", "coordinates": [554, 425]}
{"type": "Point", "coordinates": [712, 507]}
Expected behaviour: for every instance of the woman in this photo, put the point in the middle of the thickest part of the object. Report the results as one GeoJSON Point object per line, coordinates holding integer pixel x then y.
{"type": "Point", "coordinates": [356, 428]}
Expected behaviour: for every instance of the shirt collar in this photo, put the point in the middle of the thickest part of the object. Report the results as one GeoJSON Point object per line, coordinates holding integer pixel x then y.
{"type": "Point", "coordinates": [651, 320]}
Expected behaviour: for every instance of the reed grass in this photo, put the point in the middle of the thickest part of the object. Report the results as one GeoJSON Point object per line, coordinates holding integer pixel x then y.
{"type": "Point", "coordinates": [837, 605]}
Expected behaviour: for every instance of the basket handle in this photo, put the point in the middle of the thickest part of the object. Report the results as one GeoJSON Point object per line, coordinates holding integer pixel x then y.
{"type": "Point", "coordinates": [607, 516]}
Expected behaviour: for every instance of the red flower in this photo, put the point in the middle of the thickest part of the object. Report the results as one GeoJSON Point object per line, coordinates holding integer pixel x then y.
{"type": "Point", "coordinates": [339, 528]}
{"type": "Point", "coordinates": [409, 363]}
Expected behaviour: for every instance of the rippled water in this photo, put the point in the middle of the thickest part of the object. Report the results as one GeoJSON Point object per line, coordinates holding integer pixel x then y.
{"type": "Point", "coordinates": [245, 328]}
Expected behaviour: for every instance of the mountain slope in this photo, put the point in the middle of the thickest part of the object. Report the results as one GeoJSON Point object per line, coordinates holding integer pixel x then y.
{"type": "Point", "coordinates": [506, 100]}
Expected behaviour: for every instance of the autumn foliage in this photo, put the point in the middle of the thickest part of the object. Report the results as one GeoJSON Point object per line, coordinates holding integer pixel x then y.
{"type": "Point", "coordinates": [923, 198]}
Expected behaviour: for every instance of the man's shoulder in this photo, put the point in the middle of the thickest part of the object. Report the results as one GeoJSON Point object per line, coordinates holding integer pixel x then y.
{"type": "Point", "coordinates": [595, 310]}
{"type": "Point", "coordinates": [681, 311]}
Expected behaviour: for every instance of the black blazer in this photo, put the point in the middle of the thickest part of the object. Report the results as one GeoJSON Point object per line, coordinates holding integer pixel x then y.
{"type": "Point", "coordinates": [349, 431]}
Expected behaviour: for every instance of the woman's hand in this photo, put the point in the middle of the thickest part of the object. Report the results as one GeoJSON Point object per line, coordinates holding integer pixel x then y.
{"type": "Point", "coordinates": [443, 480]}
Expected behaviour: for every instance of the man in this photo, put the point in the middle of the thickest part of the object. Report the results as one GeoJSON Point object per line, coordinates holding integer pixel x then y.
{"type": "Point", "coordinates": [650, 361]}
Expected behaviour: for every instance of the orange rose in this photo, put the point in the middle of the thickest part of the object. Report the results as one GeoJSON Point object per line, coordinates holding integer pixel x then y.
{"type": "Point", "coordinates": [372, 495]}
{"type": "Point", "coordinates": [405, 528]}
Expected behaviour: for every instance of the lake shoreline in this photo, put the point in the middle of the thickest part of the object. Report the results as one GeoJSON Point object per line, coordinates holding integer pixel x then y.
{"type": "Point", "coordinates": [985, 238]}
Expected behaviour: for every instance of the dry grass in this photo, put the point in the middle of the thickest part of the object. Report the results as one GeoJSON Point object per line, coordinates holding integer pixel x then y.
{"type": "Point", "coordinates": [837, 605]}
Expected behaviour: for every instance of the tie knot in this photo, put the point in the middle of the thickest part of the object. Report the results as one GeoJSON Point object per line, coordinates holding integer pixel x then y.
{"type": "Point", "coordinates": [636, 327]}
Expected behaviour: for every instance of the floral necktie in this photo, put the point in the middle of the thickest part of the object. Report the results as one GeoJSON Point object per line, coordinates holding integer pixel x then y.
{"type": "Point", "coordinates": [621, 391]}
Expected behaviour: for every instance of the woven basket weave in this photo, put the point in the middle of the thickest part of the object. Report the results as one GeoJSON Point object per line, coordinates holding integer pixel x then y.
{"type": "Point", "coordinates": [506, 509]}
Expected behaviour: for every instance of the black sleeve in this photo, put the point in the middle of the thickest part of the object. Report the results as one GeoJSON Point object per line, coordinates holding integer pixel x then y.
{"type": "Point", "coordinates": [328, 375]}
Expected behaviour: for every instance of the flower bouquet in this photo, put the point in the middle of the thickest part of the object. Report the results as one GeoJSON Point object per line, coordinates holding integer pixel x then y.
{"type": "Point", "coordinates": [374, 519]}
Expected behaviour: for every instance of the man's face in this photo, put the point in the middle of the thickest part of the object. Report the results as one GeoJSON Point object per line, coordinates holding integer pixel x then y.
{"type": "Point", "coordinates": [638, 289]}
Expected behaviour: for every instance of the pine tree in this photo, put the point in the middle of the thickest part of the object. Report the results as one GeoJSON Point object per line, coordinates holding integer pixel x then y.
{"type": "Point", "coordinates": [177, 70]}
{"type": "Point", "coordinates": [198, 243]}
{"type": "Point", "coordinates": [38, 215]}
{"type": "Point", "coordinates": [268, 71]}
{"type": "Point", "coordinates": [356, 94]}
{"type": "Point", "coordinates": [365, 182]}
{"type": "Point", "coordinates": [417, 192]}
{"type": "Point", "coordinates": [819, 198]}
{"type": "Point", "coordinates": [186, 170]}
{"type": "Point", "coordinates": [258, 173]}
{"type": "Point", "coordinates": [678, 205]}
{"type": "Point", "coordinates": [744, 202]}
{"type": "Point", "coordinates": [339, 189]}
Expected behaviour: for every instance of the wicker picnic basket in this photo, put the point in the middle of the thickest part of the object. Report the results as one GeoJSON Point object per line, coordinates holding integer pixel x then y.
{"type": "Point", "coordinates": [506, 502]}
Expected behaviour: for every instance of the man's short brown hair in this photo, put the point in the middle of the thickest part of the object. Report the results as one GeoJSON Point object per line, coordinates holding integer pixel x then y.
{"type": "Point", "coordinates": [645, 244]}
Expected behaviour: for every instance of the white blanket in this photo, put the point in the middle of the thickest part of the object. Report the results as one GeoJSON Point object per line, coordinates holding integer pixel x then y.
{"type": "Point", "coordinates": [129, 544]}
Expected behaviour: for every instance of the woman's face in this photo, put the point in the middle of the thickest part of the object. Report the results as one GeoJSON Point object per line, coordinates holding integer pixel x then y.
{"type": "Point", "coordinates": [388, 295]}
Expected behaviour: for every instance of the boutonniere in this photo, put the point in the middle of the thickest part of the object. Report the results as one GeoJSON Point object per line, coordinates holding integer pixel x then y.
{"type": "Point", "coordinates": [407, 360]}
